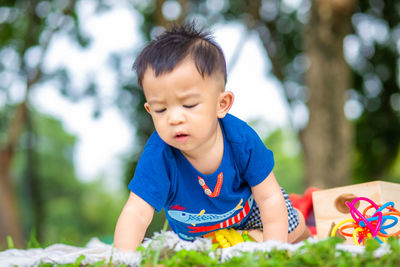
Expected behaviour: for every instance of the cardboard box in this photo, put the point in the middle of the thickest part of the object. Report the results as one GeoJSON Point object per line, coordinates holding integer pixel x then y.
{"type": "Point", "coordinates": [329, 205]}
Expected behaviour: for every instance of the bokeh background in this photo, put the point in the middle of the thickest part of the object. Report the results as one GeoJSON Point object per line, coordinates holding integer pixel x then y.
{"type": "Point", "coordinates": [318, 80]}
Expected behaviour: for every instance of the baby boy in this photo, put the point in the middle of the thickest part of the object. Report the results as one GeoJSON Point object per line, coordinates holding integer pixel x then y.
{"type": "Point", "coordinates": [208, 169]}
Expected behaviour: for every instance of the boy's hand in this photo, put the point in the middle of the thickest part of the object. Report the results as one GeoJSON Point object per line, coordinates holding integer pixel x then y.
{"type": "Point", "coordinates": [132, 223]}
{"type": "Point", "coordinates": [273, 211]}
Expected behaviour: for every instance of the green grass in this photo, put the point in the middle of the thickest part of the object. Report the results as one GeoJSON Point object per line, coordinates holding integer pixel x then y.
{"type": "Point", "coordinates": [316, 254]}
{"type": "Point", "coordinates": [322, 253]}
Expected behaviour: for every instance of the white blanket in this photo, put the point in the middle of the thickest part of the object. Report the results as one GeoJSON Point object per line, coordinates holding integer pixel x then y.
{"type": "Point", "coordinates": [96, 251]}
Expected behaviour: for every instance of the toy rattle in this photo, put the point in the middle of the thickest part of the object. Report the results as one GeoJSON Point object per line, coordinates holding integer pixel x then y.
{"type": "Point", "coordinates": [369, 226]}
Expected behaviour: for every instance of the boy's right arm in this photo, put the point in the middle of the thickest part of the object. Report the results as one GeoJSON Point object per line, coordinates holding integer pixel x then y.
{"type": "Point", "coordinates": [132, 223]}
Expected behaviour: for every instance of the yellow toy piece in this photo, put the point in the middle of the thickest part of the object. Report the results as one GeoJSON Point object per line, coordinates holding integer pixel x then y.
{"type": "Point", "coordinates": [228, 237]}
{"type": "Point", "coordinates": [334, 230]}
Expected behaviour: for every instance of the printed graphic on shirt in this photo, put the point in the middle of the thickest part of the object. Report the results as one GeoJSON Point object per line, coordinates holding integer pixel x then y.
{"type": "Point", "coordinates": [225, 220]}
{"type": "Point", "coordinates": [177, 207]}
{"type": "Point", "coordinates": [217, 187]}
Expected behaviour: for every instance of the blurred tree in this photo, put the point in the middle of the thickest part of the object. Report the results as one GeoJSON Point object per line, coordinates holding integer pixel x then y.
{"type": "Point", "coordinates": [327, 138]}
{"type": "Point", "coordinates": [26, 30]}
{"type": "Point", "coordinates": [66, 209]}
{"type": "Point", "coordinates": [44, 173]}
{"type": "Point", "coordinates": [308, 44]}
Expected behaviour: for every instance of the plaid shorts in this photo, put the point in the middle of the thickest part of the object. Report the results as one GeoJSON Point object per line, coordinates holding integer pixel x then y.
{"type": "Point", "coordinates": [254, 220]}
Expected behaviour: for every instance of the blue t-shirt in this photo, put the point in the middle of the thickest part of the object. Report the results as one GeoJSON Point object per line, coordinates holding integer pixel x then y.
{"type": "Point", "coordinates": [195, 203]}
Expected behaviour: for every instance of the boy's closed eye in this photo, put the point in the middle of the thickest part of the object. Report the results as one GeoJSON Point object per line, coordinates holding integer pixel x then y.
{"type": "Point", "coordinates": [190, 106]}
{"type": "Point", "coordinates": [161, 110]}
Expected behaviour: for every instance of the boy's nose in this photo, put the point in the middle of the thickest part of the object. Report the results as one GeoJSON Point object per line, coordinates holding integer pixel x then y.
{"type": "Point", "coordinates": [175, 117]}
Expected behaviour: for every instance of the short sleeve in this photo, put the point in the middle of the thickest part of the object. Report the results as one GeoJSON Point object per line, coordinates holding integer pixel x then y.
{"type": "Point", "coordinates": [257, 161]}
{"type": "Point", "coordinates": [151, 179]}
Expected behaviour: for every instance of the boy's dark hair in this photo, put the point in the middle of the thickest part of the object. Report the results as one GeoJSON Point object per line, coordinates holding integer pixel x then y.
{"type": "Point", "coordinates": [165, 52]}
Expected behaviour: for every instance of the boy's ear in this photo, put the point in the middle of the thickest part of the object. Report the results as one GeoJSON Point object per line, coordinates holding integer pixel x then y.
{"type": "Point", "coordinates": [225, 102]}
{"type": "Point", "coordinates": [147, 107]}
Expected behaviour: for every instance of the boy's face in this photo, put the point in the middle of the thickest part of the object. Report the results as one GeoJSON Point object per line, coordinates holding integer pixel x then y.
{"type": "Point", "coordinates": [185, 107]}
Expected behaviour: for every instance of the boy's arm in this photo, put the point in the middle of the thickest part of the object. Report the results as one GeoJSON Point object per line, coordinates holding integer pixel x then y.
{"type": "Point", "coordinates": [132, 223]}
{"type": "Point", "coordinates": [273, 211]}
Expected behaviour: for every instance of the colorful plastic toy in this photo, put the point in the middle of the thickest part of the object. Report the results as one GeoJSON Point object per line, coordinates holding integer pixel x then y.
{"type": "Point", "coordinates": [228, 237]}
{"type": "Point", "coordinates": [369, 226]}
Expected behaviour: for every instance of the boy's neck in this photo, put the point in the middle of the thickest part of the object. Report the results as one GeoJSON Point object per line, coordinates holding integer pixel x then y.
{"type": "Point", "coordinates": [208, 159]}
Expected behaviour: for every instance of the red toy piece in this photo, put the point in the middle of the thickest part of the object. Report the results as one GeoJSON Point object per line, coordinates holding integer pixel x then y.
{"type": "Point", "coordinates": [305, 205]}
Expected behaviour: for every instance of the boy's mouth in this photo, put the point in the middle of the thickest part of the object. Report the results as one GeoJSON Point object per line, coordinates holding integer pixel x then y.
{"type": "Point", "coordinates": [181, 137]}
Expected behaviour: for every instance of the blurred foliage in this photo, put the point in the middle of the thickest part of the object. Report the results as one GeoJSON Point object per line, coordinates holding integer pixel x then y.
{"type": "Point", "coordinates": [26, 32]}
{"type": "Point", "coordinates": [394, 171]}
{"type": "Point", "coordinates": [289, 166]}
{"type": "Point", "coordinates": [54, 204]}
{"type": "Point", "coordinates": [377, 89]}
{"type": "Point", "coordinates": [72, 211]}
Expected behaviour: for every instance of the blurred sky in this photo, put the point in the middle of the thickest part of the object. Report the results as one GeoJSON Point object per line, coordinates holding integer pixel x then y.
{"type": "Point", "coordinates": [101, 141]}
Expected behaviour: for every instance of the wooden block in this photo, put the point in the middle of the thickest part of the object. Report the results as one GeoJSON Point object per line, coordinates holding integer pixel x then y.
{"type": "Point", "coordinates": [329, 205]}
